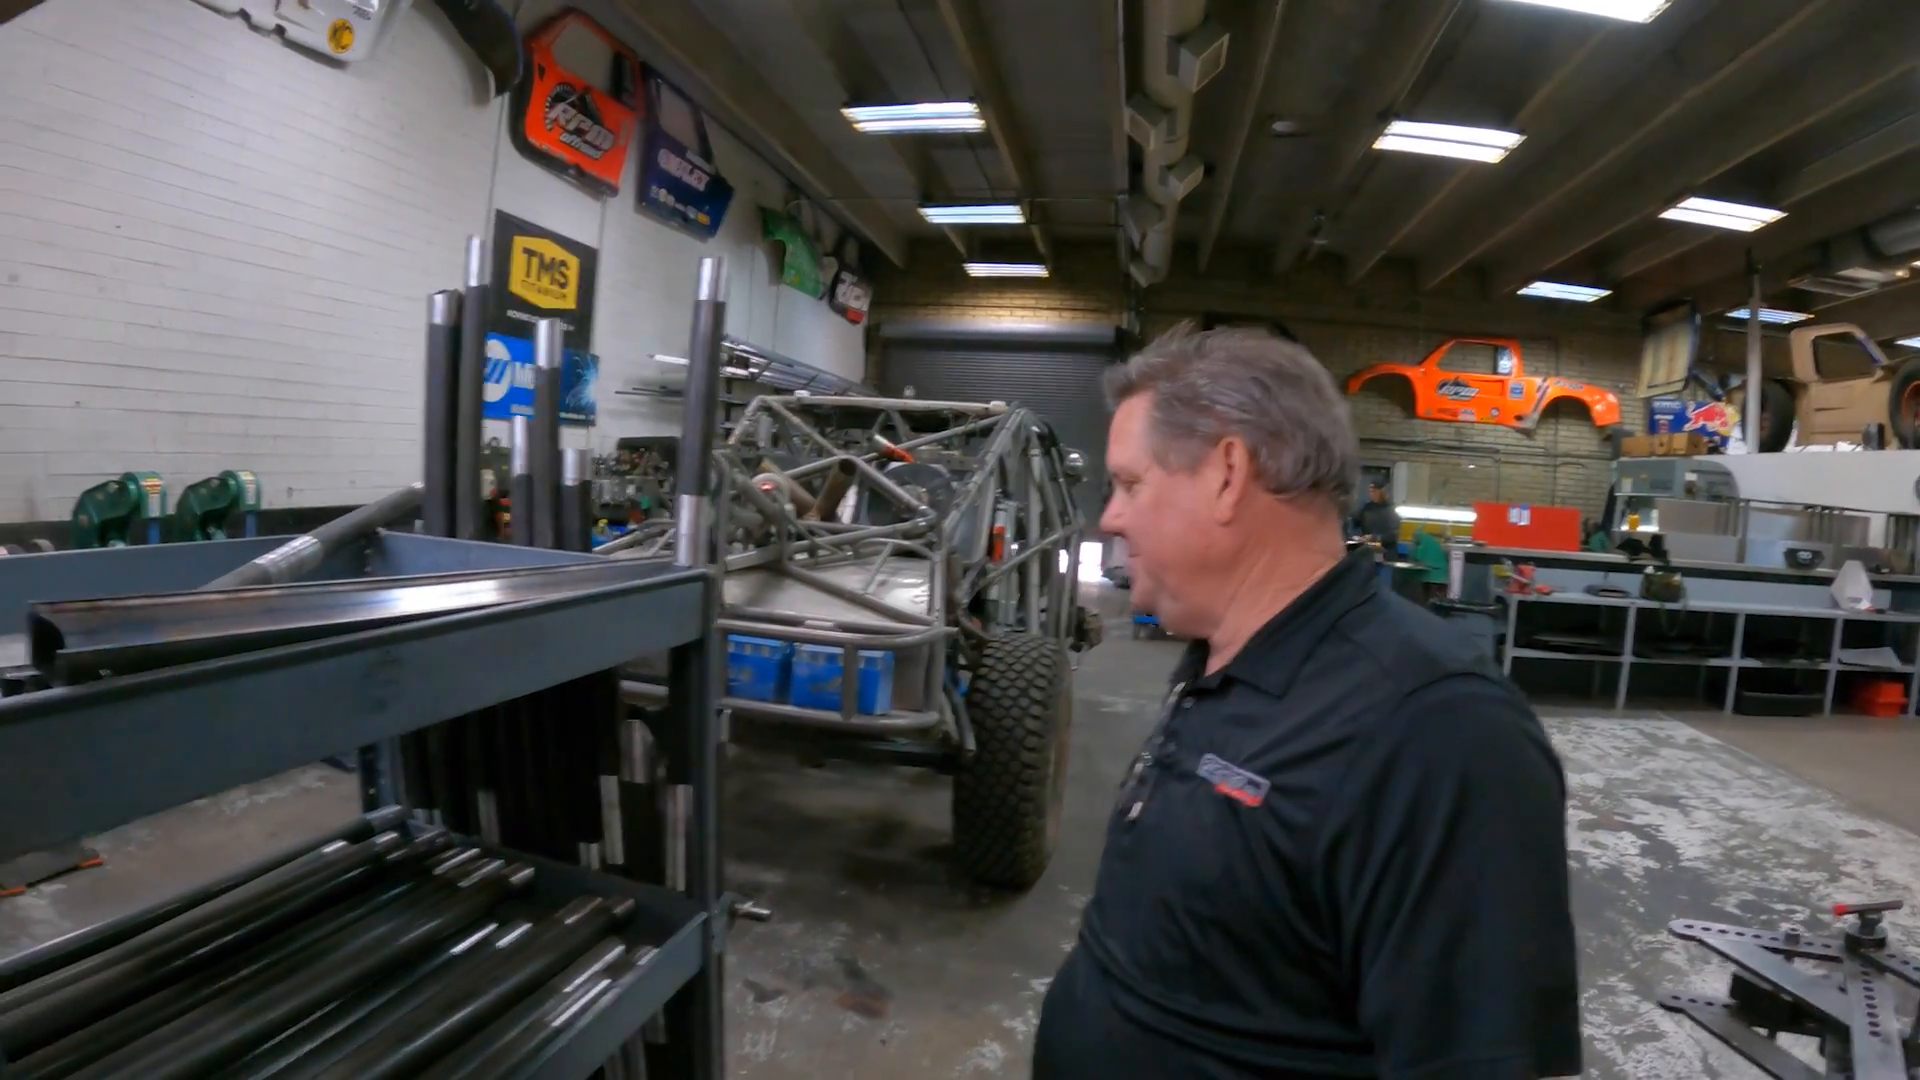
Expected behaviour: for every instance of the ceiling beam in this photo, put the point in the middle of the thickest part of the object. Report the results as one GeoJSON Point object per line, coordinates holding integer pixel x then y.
{"type": "Point", "coordinates": [1246, 113]}
{"type": "Point", "coordinates": [1113, 46]}
{"type": "Point", "coordinates": [1724, 43]}
{"type": "Point", "coordinates": [970, 34]}
{"type": "Point", "coordinates": [1546, 108]}
{"type": "Point", "coordinates": [1714, 274]}
{"type": "Point", "coordinates": [1687, 158]}
{"type": "Point", "coordinates": [1362, 112]}
{"type": "Point", "coordinates": [698, 58]}
{"type": "Point", "coordinates": [1892, 312]}
{"type": "Point", "coordinates": [1895, 140]}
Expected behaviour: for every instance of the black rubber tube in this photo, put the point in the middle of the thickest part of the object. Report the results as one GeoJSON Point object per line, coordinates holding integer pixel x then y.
{"type": "Point", "coordinates": [240, 919]}
{"type": "Point", "coordinates": [90, 1044]}
{"type": "Point", "coordinates": [261, 1008]}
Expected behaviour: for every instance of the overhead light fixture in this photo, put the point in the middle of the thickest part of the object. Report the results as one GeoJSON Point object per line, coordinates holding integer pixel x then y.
{"type": "Point", "coordinates": [1909, 342]}
{"type": "Point", "coordinates": [1723, 215]}
{"type": "Point", "coordinates": [1486, 145]}
{"type": "Point", "coordinates": [1442, 515]}
{"type": "Point", "coordinates": [1772, 316]}
{"type": "Point", "coordinates": [1640, 11]}
{"type": "Point", "coordinates": [1285, 128]}
{"type": "Point", "coordinates": [981, 214]}
{"type": "Point", "coordinates": [1554, 290]}
{"type": "Point", "coordinates": [920, 118]}
{"type": "Point", "coordinates": [988, 269]}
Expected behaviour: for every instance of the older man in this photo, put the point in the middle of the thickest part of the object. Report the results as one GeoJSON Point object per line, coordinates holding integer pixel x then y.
{"type": "Point", "coordinates": [1341, 853]}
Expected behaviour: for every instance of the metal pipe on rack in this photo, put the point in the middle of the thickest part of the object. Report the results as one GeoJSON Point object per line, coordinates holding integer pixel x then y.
{"type": "Point", "coordinates": [549, 347]}
{"type": "Point", "coordinates": [96, 988]}
{"type": "Point", "coordinates": [515, 1037]}
{"type": "Point", "coordinates": [305, 553]}
{"type": "Point", "coordinates": [443, 390]}
{"type": "Point", "coordinates": [476, 301]}
{"type": "Point", "coordinates": [693, 483]}
{"type": "Point", "coordinates": [260, 1009]}
{"type": "Point", "coordinates": [576, 499]}
{"type": "Point", "coordinates": [520, 486]}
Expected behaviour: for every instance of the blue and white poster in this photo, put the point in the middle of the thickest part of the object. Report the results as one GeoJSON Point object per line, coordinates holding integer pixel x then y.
{"type": "Point", "coordinates": [509, 384]}
{"type": "Point", "coordinates": [678, 181]}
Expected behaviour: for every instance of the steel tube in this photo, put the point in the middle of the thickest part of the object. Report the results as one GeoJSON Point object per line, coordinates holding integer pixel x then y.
{"type": "Point", "coordinates": [521, 488]}
{"type": "Point", "coordinates": [549, 337]}
{"type": "Point", "coordinates": [90, 1044]}
{"type": "Point", "coordinates": [303, 554]}
{"type": "Point", "coordinates": [893, 724]}
{"type": "Point", "coordinates": [693, 482]}
{"type": "Point", "coordinates": [502, 1046]}
{"type": "Point", "coordinates": [576, 499]}
{"type": "Point", "coordinates": [443, 388]}
{"type": "Point", "coordinates": [469, 509]}
{"type": "Point", "coordinates": [68, 951]}
{"type": "Point", "coordinates": [1755, 396]}
{"type": "Point", "coordinates": [457, 1012]}
{"type": "Point", "coordinates": [213, 1035]}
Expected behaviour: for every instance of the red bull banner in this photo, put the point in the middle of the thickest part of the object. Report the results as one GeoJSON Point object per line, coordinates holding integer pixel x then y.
{"type": "Point", "coordinates": [1716, 420]}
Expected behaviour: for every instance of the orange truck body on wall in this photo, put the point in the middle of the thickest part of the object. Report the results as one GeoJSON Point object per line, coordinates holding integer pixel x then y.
{"type": "Point", "coordinates": [1500, 392]}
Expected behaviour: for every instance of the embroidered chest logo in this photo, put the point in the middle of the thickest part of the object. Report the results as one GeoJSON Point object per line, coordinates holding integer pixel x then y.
{"type": "Point", "coordinates": [1233, 781]}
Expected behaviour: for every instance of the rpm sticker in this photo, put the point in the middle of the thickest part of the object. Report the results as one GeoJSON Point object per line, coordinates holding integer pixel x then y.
{"type": "Point", "coordinates": [340, 36]}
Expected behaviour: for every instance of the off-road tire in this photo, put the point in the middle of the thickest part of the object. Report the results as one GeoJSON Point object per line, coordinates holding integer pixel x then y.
{"type": "Point", "coordinates": [1900, 404]}
{"type": "Point", "coordinates": [1776, 416]}
{"type": "Point", "coordinates": [1007, 799]}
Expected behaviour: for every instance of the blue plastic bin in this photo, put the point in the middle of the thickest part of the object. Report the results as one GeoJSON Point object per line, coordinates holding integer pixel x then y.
{"type": "Point", "coordinates": [758, 669]}
{"type": "Point", "coordinates": [816, 679]}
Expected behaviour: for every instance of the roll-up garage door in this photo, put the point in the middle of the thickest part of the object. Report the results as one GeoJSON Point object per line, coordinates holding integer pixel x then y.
{"type": "Point", "coordinates": [1058, 380]}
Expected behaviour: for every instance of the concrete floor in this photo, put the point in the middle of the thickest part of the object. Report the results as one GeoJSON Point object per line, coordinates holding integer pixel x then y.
{"type": "Point", "coordinates": [881, 963]}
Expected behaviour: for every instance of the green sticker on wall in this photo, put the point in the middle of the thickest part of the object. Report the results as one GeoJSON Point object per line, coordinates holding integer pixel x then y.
{"type": "Point", "coordinates": [801, 267]}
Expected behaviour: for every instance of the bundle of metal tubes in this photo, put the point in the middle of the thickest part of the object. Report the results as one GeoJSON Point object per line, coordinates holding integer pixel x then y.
{"type": "Point", "coordinates": [371, 956]}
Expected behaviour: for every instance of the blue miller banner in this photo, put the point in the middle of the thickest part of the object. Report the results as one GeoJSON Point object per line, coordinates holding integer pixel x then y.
{"type": "Point", "coordinates": [678, 182]}
{"type": "Point", "coordinates": [508, 391]}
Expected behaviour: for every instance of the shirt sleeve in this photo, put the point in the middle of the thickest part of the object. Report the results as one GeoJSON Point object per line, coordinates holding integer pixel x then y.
{"type": "Point", "coordinates": [1445, 874]}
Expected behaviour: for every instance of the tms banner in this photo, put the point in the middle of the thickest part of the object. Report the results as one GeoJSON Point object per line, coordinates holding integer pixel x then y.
{"type": "Point", "coordinates": [539, 274]}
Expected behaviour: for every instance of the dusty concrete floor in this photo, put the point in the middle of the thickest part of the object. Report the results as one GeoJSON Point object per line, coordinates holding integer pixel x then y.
{"type": "Point", "coordinates": [880, 963]}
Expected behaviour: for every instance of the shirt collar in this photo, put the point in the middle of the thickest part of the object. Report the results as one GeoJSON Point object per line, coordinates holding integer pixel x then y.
{"type": "Point", "coordinates": [1271, 659]}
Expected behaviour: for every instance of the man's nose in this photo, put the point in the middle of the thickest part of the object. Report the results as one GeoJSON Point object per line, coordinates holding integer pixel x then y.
{"type": "Point", "coordinates": [1112, 521]}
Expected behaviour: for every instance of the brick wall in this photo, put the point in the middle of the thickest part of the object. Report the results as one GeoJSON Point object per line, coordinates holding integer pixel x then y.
{"type": "Point", "coordinates": [1563, 462]}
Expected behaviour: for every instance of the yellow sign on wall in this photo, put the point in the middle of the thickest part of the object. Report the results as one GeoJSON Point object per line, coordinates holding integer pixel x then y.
{"type": "Point", "coordinates": [544, 274]}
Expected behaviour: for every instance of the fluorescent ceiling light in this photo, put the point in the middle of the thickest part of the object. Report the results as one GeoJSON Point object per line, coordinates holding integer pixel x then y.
{"type": "Point", "coordinates": [987, 214]}
{"type": "Point", "coordinates": [987, 269]}
{"type": "Point", "coordinates": [1909, 342]}
{"type": "Point", "coordinates": [1772, 316]}
{"type": "Point", "coordinates": [1486, 145]}
{"type": "Point", "coordinates": [1445, 515]}
{"type": "Point", "coordinates": [920, 118]}
{"type": "Point", "coordinates": [1554, 290]}
{"type": "Point", "coordinates": [1723, 215]}
{"type": "Point", "coordinates": [1640, 11]}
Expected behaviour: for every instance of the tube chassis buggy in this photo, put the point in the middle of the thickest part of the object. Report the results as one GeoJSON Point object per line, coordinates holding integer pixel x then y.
{"type": "Point", "coordinates": [946, 535]}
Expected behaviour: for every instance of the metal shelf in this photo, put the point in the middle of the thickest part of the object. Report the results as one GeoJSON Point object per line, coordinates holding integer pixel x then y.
{"type": "Point", "coordinates": [83, 759]}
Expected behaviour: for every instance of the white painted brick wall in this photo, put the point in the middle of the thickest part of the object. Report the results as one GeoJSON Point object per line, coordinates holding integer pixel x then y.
{"type": "Point", "coordinates": [215, 252]}
{"type": "Point", "coordinates": [214, 249]}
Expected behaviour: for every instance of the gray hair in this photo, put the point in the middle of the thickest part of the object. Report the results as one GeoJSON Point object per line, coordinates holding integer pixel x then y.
{"type": "Point", "coordinates": [1270, 392]}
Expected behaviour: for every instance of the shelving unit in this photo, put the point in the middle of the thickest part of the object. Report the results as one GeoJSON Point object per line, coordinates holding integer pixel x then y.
{"type": "Point", "coordinates": [1833, 620]}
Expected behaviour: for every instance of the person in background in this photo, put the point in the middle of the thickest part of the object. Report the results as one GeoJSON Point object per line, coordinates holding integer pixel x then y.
{"type": "Point", "coordinates": [1594, 538]}
{"type": "Point", "coordinates": [1431, 554]}
{"type": "Point", "coordinates": [1377, 520]}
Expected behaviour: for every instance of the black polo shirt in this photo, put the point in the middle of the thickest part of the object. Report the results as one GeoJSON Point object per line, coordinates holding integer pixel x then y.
{"type": "Point", "coordinates": [1343, 855]}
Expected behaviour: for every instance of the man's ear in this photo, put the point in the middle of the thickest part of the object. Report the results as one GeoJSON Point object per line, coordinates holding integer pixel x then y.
{"type": "Point", "coordinates": [1233, 476]}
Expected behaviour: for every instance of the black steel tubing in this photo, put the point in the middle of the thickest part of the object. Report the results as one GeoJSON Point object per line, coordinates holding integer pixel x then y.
{"type": "Point", "coordinates": [96, 1041]}
{"type": "Point", "coordinates": [304, 553]}
{"type": "Point", "coordinates": [459, 1010]}
{"type": "Point", "coordinates": [241, 919]}
{"type": "Point", "coordinates": [466, 963]}
{"type": "Point", "coordinates": [576, 500]}
{"type": "Point", "coordinates": [469, 510]}
{"type": "Point", "coordinates": [503, 1047]}
{"type": "Point", "coordinates": [520, 489]}
{"type": "Point", "coordinates": [137, 633]}
{"type": "Point", "coordinates": [693, 481]}
{"type": "Point", "coordinates": [31, 965]}
{"type": "Point", "coordinates": [443, 390]}
{"type": "Point", "coordinates": [549, 336]}
{"type": "Point", "coordinates": [218, 1034]}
